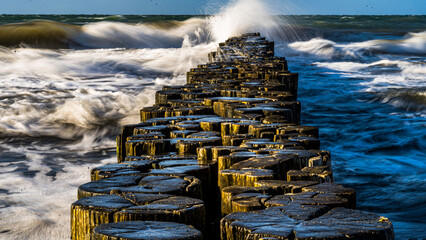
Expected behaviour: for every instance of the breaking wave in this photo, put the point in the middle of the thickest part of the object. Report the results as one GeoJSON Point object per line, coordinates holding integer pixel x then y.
{"type": "Point", "coordinates": [50, 34]}
{"type": "Point", "coordinates": [234, 19]}
{"type": "Point", "coordinates": [413, 100]}
{"type": "Point", "coordinates": [44, 34]}
{"type": "Point", "coordinates": [400, 83]}
{"type": "Point", "coordinates": [393, 70]}
{"type": "Point", "coordinates": [412, 44]}
{"type": "Point", "coordinates": [99, 74]}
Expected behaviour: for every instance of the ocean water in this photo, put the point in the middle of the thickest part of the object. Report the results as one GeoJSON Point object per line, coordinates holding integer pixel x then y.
{"type": "Point", "coordinates": [68, 82]}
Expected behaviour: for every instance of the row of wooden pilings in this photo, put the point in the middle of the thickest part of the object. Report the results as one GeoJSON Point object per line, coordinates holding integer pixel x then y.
{"type": "Point", "coordinates": [223, 157]}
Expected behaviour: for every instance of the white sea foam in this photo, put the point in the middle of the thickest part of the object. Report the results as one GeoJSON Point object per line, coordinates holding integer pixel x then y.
{"type": "Point", "coordinates": [85, 88]}
{"type": "Point", "coordinates": [91, 88]}
{"type": "Point", "coordinates": [412, 44]}
{"type": "Point", "coordinates": [235, 18]}
{"type": "Point", "coordinates": [123, 35]}
{"type": "Point", "coordinates": [385, 73]}
{"type": "Point", "coordinates": [38, 208]}
{"type": "Point", "coordinates": [80, 95]}
{"type": "Point", "coordinates": [322, 48]}
{"type": "Point", "coordinates": [396, 82]}
{"type": "Point", "coordinates": [396, 79]}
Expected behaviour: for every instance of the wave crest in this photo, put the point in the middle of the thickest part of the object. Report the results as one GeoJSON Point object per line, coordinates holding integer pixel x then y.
{"type": "Point", "coordinates": [43, 34]}
{"type": "Point", "coordinates": [408, 99]}
{"type": "Point", "coordinates": [412, 44]}
{"type": "Point", "coordinates": [237, 17]}
{"type": "Point", "coordinates": [123, 35]}
{"type": "Point", "coordinates": [322, 48]}
{"type": "Point", "coordinates": [104, 34]}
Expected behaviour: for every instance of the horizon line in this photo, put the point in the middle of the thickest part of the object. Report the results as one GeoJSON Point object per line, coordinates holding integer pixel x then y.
{"type": "Point", "coordinates": [116, 14]}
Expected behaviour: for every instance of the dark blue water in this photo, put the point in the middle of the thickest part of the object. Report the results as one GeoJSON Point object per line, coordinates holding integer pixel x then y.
{"type": "Point", "coordinates": [378, 153]}
{"type": "Point", "coordinates": [377, 140]}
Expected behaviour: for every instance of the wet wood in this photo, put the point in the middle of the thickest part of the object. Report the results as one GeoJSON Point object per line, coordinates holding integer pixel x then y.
{"type": "Point", "coordinates": [146, 230]}
{"type": "Point", "coordinates": [89, 212]}
{"type": "Point", "coordinates": [228, 143]}
{"type": "Point", "coordinates": [339, 223]}
{"type": "Point", "coordinates": [280, 165]}
{"type": "Point", "coordinates": [243, 177]}
{"type": "Point", "coordinates": [148, 183]}
{"type": "Point", "coordinates": [317, 173]}
{"type": "Point", "coordinates": [228, 193]}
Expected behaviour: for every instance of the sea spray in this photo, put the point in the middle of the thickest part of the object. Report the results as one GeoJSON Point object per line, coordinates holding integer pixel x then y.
{"type": "Point", "coordinates": [243, 16]}
{"type": "Point", "coordinates": [123, 35]}
{"type": "Point", "coordinates": [235, 18]}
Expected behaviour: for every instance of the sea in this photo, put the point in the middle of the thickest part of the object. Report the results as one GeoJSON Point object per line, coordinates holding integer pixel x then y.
{"type": "Point", "coordinates": [69, 82]}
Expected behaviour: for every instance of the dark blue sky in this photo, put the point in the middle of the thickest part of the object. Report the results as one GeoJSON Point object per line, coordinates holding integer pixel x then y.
{"type": "Point", "coordinates": [199, 6]}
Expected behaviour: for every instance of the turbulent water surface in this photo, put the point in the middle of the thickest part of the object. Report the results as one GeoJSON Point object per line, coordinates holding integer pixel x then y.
{"type": "Point", "coordinates": [67, 84]}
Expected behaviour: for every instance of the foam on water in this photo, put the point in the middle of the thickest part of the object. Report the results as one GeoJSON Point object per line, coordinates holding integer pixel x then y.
{"type": "Point", "coordinates": [412, 44]}
{"type": "Point", "coordinates": [61, 109]}
{"type": "Point", "coordinates": [396, 82]}
{"type": "Point", "coordinates": [235, 18]}
{"type": "Point", "coordinates": [84, 88]}
{"type": "Point", "coordinates": [369, 99]}
{"type": "Point", "coordinates": [322, 48]}
{"type": "Point", "coordinates": [123, 35]}
{"type": "Point", "coordinates": [38, 207]}
{"type": "Point", "coordinates": [82, 96]}
{"type": "Point", "coordinates": [396, 79]}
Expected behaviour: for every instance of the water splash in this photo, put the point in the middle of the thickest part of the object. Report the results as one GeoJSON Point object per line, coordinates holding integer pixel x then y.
{"type": "Point", "coordinates": [235, 18]}
{"type": "Point", "coordinates": [240, 17]}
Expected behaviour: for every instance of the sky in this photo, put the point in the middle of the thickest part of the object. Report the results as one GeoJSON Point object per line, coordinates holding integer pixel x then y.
{"type": "Point", "coordinates": [177, 7]}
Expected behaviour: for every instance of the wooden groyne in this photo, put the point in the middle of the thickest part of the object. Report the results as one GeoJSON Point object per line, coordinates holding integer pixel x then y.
{"type": "Point", "coordinates": [223, 157]}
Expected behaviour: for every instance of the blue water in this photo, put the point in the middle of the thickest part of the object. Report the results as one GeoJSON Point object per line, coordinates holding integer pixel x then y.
{"type": "Point", "coordinates": [376, 149]}
{"type": "Point", "coordinates": [65, 93]}
{"type": "Point", "coordinates": [370, 103]}
{"type": "Point", "coordinates": [372, 119]}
